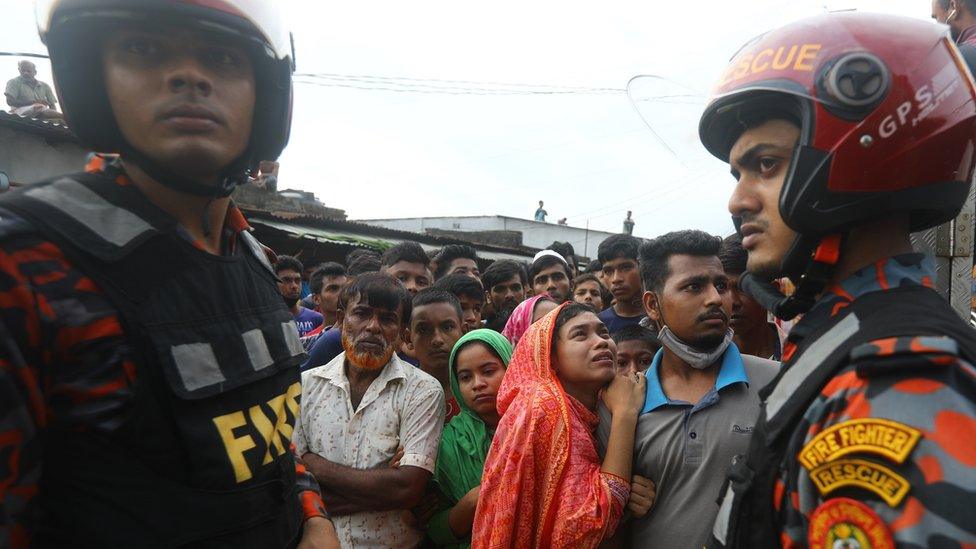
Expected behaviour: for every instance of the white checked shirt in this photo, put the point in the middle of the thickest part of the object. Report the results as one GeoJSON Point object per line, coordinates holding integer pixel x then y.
{"type": "Point", "coordinates": [402, 407]}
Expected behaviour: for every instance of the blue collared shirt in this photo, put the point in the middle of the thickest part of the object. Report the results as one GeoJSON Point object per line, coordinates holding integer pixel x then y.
{"type": "Point", "coordinates": [731, 371]}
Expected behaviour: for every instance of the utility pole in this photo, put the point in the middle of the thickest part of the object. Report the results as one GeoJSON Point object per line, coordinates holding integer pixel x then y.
{"type": "Point", "coordinates": [586, 241]}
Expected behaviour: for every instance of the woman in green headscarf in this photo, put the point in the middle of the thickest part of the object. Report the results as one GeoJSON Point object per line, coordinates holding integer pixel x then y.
{"type": "Point", "coordinates": [477, 366]}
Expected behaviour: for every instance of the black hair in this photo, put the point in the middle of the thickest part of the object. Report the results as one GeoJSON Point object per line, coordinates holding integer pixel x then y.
{"type": "Point", "coordinates": [379, 290]}
{"type": "Point", "coordinates": [654, 254]}
{"type": "Point", "coordinates": [733, 255]}
{"type": "Point", "coordinates": [637, 333]}
{"type": "Point", "coordinates": [500, 271]}
{"type": "Point", "coordinates": [617, 246]}
{"type": "Point", "coordinates": [461, 285]}
{"type": "Point", "coordinates": [545, 262]}
{"type": "Point", "coordinates": [408, 251]}
{"type": "Point", "coordinates": [288, 263]}
{"type": "Point", "coordinates": [944, 4]}
{"type": "Point", "coordinates": [360, 252]}
{"type": "Point", "coordinates": [562, 248]}
{"type": "Point", "coordinates": [567, 313]}
{"type": "Point", "coordinates": [432, 295]}
{"type": "Point", "coordinates": [323, 271]}
{"type": "Point", "coordinates": [970, 6]}
{"type": "Point", "coordinates": [451, 252]}
{"type": "Point", "coordinates": [606, 296]}
{"type": "Point", "coordinates": [594, 267]}
{"type": "Point", "coordinates": [363, 264]}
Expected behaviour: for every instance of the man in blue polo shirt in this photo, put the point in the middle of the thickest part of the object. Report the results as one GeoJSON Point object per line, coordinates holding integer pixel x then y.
{"type": "Point", "coordinates": [702, 394]}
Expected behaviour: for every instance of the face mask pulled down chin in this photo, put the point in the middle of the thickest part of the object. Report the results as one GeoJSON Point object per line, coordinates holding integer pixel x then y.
{"type": "Point", "coordinates": [692, 356]}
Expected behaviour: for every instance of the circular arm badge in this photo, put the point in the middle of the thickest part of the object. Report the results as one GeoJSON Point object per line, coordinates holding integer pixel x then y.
{"type": "Point", "coordinates": [844, 523]}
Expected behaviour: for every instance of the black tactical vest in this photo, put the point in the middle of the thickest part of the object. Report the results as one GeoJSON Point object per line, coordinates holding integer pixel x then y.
{"type": "Point", "coordinates": [747, 518]}
{"type": "Point", "coordinates": [203, 457]}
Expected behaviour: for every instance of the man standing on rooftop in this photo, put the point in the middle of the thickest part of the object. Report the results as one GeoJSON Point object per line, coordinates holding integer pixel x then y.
{"type": "Point", "coordinates": [28, 96]}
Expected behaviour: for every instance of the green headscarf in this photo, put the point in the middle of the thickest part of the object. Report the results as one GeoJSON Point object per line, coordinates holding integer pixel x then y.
{"type": "Point", "coordinates": [465, 442]}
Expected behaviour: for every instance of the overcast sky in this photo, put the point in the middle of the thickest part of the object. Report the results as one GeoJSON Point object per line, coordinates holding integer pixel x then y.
{"type": "Point", "coordinates": [377, 153]}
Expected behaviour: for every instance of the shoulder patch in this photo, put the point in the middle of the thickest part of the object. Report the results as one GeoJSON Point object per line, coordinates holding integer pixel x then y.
{"type": "Point", "coordinates": [881, 437]}
{"type": "Point", "coordinates": [844, 522]}
{"type": "Point", "coordinates": [860, 473]}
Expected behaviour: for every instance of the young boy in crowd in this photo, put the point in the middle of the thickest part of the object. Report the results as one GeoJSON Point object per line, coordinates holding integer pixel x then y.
{"type": "Point", "coordinates": [587, 290]}
{"type": "Point", "coordinates": [408, 263]}
{"type": "Point", "coordinates": [636, 347]}
{"type": "Point", "coordinates": [469, 293]}
{"type": "Point", "coordinates": [456, 259]}
{"type": "Point", "coordinates": [435, 326]}
{"type": "Point", "coordinates": [289, 271]}
{"type": "Point", "coordinates": [618, 255]}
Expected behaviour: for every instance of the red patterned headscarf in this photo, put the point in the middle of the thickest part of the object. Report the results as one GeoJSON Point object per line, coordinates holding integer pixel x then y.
{"type": "Point", "coordinates": [542, 485]}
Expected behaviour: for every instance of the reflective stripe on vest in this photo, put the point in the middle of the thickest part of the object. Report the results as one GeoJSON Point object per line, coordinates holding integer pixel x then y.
{"type": "Point", "coordinates": [115, 225]}
{"type": "Point", "coordinates": [810, 360]}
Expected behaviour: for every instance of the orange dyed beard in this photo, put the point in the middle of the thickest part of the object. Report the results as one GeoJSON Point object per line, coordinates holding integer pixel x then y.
{"type": "Point", "coordinates": [366, 361]}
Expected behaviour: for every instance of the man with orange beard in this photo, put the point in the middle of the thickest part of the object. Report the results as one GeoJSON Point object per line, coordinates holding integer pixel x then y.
{"type": "Point", "coordinates": [362, 410]}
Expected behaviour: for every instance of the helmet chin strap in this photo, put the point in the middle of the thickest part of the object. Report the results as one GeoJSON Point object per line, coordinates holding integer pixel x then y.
{"type": "Point", "coordinates": [814, 278]}
{"type": "Point", "coordinates": [235, 174]}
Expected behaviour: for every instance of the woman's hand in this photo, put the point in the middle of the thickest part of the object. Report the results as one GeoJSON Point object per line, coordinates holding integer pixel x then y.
{"type": "Point", "coordinates": [625, 393]}
{"type": "Point", "coordinates": [642, 495]}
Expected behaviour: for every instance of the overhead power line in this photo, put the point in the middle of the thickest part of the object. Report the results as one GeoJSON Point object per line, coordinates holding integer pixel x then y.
{"type": "Point", "coordinates": [457, 87]}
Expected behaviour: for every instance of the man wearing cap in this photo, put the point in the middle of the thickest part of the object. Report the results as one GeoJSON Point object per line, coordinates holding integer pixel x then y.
{"type": "Point", "coordinates": [149, 377]}
{"type": "Point", "coordinates": [550, 274]}
{"type": "Point", "coordinates": [863, 437]}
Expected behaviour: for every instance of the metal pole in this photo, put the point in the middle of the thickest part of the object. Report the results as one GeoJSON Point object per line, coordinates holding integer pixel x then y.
{"type": "Point", "coordinates": [586, 240]}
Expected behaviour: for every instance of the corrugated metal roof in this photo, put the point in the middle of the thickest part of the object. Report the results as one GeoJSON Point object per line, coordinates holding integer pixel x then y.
{"type": "Point", "coordinates": [348, 236]}
{"type": "Point", "coordinates": [50, 129]}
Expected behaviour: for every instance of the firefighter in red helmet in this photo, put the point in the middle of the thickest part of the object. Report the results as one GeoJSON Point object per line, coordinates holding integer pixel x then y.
{"type": "Point", "coordinates": [149, 370]}
{"type": "Point", "coordinates": [846, 132]}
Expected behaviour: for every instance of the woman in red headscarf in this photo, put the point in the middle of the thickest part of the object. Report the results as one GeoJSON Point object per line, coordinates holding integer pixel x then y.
{"type": "Point", "coordinates": [544, 484]}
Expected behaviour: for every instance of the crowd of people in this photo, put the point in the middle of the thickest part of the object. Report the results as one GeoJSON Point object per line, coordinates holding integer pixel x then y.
{"type": "Point", "coordinates": [445, 331]}
{"type": "Point", "coordinates": [168, 381]}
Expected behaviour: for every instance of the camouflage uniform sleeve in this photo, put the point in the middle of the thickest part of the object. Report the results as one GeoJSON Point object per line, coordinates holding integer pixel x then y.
{"type": "Point", "coordinates": [886, 453]}
{"type": "Point", "coordinates": [63, 360]}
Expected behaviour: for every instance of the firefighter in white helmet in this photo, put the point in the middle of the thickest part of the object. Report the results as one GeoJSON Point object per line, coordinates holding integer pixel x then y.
{"type": "Point", "coordinates": [149, 369]}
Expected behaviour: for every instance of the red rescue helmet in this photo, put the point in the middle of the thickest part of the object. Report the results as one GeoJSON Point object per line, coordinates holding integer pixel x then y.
{"type": "Point", "coordinates": [72, 31]}
{"type": "Point", "coordinates": [886, 111]}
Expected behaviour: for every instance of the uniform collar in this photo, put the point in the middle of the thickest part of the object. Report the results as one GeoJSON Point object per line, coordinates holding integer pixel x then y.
{"type": "Point", "coordinates": [730, 372]}
{"type": "Point", "coordinates": [911, 269]}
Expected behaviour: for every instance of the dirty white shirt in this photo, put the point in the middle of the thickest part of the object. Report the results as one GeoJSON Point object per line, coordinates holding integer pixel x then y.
{"type": "Point", "coordinates": [403, 407]}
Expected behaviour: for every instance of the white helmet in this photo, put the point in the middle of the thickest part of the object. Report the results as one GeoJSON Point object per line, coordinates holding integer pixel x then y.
{"type": "Point", "coordinates": [72, 29]}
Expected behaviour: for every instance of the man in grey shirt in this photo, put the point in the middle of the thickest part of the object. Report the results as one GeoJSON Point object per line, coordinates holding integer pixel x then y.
{"type": "Point", "coordinates": [702, 399]}
{"type": "Point", "coordinates": [28, 96]}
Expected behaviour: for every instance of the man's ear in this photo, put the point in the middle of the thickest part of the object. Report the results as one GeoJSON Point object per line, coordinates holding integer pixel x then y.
{"type": "Point", "coordinates": [406, 336]}
{"type": "Point", "coordinates": [652, 307]}
{"type": "Point", "coordinates": [340, 316]}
